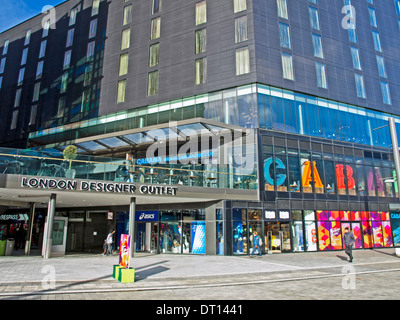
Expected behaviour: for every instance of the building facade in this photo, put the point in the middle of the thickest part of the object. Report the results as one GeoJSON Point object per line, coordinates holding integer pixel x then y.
{"type": "Point", "coordinates": [288, 101]}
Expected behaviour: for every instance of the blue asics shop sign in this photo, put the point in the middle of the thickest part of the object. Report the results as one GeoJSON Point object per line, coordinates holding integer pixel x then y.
{"type": "Point", "coordinates": [146, 216]}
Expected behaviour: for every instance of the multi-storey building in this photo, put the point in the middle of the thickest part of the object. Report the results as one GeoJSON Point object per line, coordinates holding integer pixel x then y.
{"type": "Point", "coordinates": [305, 87]}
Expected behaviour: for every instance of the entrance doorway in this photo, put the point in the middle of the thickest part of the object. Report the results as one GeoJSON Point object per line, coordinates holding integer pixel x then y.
{"type": "Point", "coordinates": [277, 237]}
{"type": "Point", "coordinates": [147, 237]}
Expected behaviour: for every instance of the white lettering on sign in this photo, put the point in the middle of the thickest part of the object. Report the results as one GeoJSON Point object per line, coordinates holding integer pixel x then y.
{"type": "Point", "coordinates": [269, 214]}
{"type": "Point", "coordinates": [284, 214]}
{"type": "Point", "coordinates": [146, 216]}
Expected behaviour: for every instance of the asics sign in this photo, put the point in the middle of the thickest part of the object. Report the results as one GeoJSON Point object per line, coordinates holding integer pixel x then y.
{"type": "Point", "coordinates": [146, 216]}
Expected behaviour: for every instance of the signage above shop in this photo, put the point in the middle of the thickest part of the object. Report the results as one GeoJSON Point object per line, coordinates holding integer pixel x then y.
{"type": "Point", "coordinates": [155, 160]}
{"type": "Point", "coordinates": [146, 216]}
{"type": "Point", "coordinates": [282, 215]}
{"type": "Point", "coordinates": [19, 217]}
{"type": "Point", "coordinates": [109, 187]}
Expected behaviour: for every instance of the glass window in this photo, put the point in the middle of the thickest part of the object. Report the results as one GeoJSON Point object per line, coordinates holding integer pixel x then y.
{"type": "Point", "coordinates": [397, 5]}
{"type": "Point", "coordinates": [123, 64]}
{"type": "Point", "coordinates": [42, 50]}
{"type": "Point", "coordinates": [32, 118]}
{"type": "Point", "coordinates": [95, 7]}
{"type": "Point", "coordinates": [2, 65]}
{"type": "Point", "coordinates": [242, 61]}
{"type": "Point", "coordinates": [126, 39]}
{"type": "Point", "coordinates": [284, 32]}
{"type": "Point", "coordinates": [1, 81]}
{"type": "Point", "coordinates": [321, 75]}
{"type": "Point", "coordinates": [294, 174]}
{"type": "Point", "coordinates": [152, 85]}
{"type": "Point", "coordinates": [241, 29]}
{"type": "Point", "coordinates": [156, 6]}
{"type": "Point", "coordinates": [70, 38]}
{"type": "Point", "coordinates": [381, 66]}
{"type": "Point", "coordinates": [46, 28]}
{"type": "Point", "coordinates": [282, 9]}
{"type": "Point", "coordinates": [201, 71]}
{"type": "Point", "coordinates": [377, 41]}
{"type": "Point", "coordinates": [67, 59]}
{"type": "Point", "coordinates": [72, 16]}
{"type": "Point", "coordinates": [314, 19]}
{"type": "Point", "coordinates": [154, 55]}
{"type": "Point", "coordinates": [121, 89]}
{"type": "Point", "coordinates": [201, 13]}
{"type": "Point", "coordinates": [360, 85]}
{"type": "Point", "coordinates": [317, 43]}
{"type": "Point", "coordinates": [90, 50]}
{"type": "Point", "coordinates": [155, 28]}
{"type": "Point", "coordinates": [287, 66]}
{"type": "Point", "coordinates": [372, 17]}
{"type": "Point", "coordinates": [21, 76]}
{"type": "Point", "coordinates": [385, 93]}
{"type": "Point", "coordinates": [36, 92]}
{"type": "Point", "coordinates": [352, 35]}
{"type": "Point", "coordinates": [27, 37]}
{"type": "Point", "coordinates": [355, 55]}
{"type": "Point", "coordinates": [93, 28]}
{"type": "Point", "coordinates": [5, 48]}
{"type": "Point", "coordinates": [239, 5]}
{"type": "Point", "coordinates": [127, 15]}
{"type": "Point", "coordinates": [17, 100]}
{"type": "Point", "coordinates": [64, 83]}
{"type": "Point", "coordinates": [24, 56]}
{"type": "Point", "coordinates": [14, 120]}
{"type": "Point", "coordinates": [201, 40]}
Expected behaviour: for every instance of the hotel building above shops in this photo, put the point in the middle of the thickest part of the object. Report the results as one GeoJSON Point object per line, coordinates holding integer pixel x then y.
{"type": "Point", "coordinates": [191, 124]}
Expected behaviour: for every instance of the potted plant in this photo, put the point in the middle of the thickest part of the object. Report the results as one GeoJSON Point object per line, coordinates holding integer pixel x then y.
{"type": "Point", "coordinates": [70, 153]}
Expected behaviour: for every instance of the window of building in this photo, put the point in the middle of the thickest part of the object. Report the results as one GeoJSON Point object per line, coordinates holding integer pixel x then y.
{"type": "Point", "coordinates": [381, 66]}
{"type": "Point", "coordinates": [14, 120]}
{"type": "Point", "coordinates": [21, 76]}
{"type": "Point", "coordinates": [352, 35]}
{"type": "Point", "coordinates": [201, 12]}
{"type": "Point", "coordinates": [355, 56]}
{"type": "Point", "coordinates": [370, 1]}
{"type": "Point", "coordinates": [90, 50]}
{"type": "Point", "coordinates": [287, 66]}
{"type": "Point", "coordinates": [95, 7]}
{"type": "Point", "coordinates": [36, 92]}
{"type": "Point", "coordinates": [46, 28]}
{"type": "Point", "coordinates": [27, 37]}
{"type": "Point", "coordinates": [377, 41]}
{"type": "Point", "coordinates": [121, 91]}
{"type": "Point", "coordinates": [127, 15]}
{"type": "Point", "coordinates": [372, 17]}
{"type": "Point", "coordinates": [397, 5]}
{"type": "Point", "coordinates": [39, 69]}
{"type": "Point", "coordinates": [126, 39]}
{"type": "Point", "coordinates": [93, 28]}
{"type": "Point", "coordinates": [155, 31]}
{"type": "Point", "coordinates": [201, 71]}
{"type": "Point", "coordinates": [360, 85]}
{"type": "Point", "coordinates": [72, 16]}
{"type": "Point", "coordinates": [201, 41]}
{"type": "Point", "coordinates": [154, 53]}
{"type": "Point", "coordinates": [314, 19]}
{"type": "Point", "coordinates": [64, 83]}
{"type": "Point", "coordinates": [317, 43]}
{"type": "Point", "coordinates": [88, 74]}
{"type": "Point", "coordinates": [42, 50]}
{"type": "Point", "coordinates": [242, 61]}
{"type": "Point", "coordinates": [152, 85]}
{"type": "Point", "coordinates": [239, 5]}
{"type": "Point", "coordinates": [17, 101]}
{"type": "Point", "coordinates": [241, 29]}
{"type": "Point", "coordinates": [5, 48]}
{"type": "Point", "coordinates": [70, 38]}
{"type": "Point", "coordinates": [385, 93]}
{"type": "Point", "coordinates": [321, 75]}
{"type": "Point", "coordinates": [24, 56]}
{"type": "Point", "coordinates": [61, 107]}
{"type": "Point", "coordinates": [282, 9]}
{"type": "Point", "coordinates": [2, 65]}
{"type": "Point", "coordinates": [32, 117]}
{"type": "Point", "coordinates": [284, 33]}
{"type": "Point", "coordinates": [123, 64]}
{"type": "Point", "coordinates": [156, 6]}
{"type": "Point", "coordinates": [1, 81]}
{"type": "Point", "coordinates": [67, 59]}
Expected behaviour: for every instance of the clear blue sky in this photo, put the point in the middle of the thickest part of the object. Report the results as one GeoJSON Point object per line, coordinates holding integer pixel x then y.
{"type": "Point", "coordinates": [13, 12]}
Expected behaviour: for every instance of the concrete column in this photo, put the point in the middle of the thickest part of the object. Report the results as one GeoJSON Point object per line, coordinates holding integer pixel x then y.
{"type": "Point", "coordinates": [132, 225]}
{"type": "Point", "coordinates": [51, 210]}
{"type": "Point", "coordinates": [30, 228]}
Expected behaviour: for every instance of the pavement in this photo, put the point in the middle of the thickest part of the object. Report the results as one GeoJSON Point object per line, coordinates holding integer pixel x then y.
{"type": "Point", "coordinates": [32, 277]}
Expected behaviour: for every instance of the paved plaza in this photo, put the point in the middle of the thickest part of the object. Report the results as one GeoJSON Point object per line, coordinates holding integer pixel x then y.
{"type": "Point", "coordinates": [374, 274]}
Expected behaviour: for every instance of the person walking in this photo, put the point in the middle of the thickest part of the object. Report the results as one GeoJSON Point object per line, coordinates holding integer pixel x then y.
{"type": "Point", "coordinates": [349, 242]}
{"type": "Point", "coordinates": [257, 243]}
{"type": "Point", "coordinates": [109, 242]}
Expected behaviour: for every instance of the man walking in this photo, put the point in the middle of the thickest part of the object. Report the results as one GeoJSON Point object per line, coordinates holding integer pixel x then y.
{"type": "Point", "coordinates": [109, 243]}
{"type": "Point", "coordinates": [348, 242]}
{"type": "Point", "coordinates": [256, 244]}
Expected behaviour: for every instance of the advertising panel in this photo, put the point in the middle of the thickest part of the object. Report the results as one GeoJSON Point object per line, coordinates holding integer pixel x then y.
{"type": "Point", "coordinates": [198, 236]}
{"type": "Point", "coordinates": [395, 218]}
{"type": "Point", "coordinates": [124, 250]}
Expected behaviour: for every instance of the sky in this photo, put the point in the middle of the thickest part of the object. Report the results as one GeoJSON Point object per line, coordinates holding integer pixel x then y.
{"type": "Point", "coordinates": [13, 12]}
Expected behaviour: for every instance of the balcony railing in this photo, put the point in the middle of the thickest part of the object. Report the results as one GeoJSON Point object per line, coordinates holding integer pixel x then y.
{"type": "Point", "coordinates": [32, 163]}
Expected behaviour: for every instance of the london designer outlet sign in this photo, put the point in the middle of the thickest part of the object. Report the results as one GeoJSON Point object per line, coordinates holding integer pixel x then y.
{"type": "Point", "coordinates": [109, 187]}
